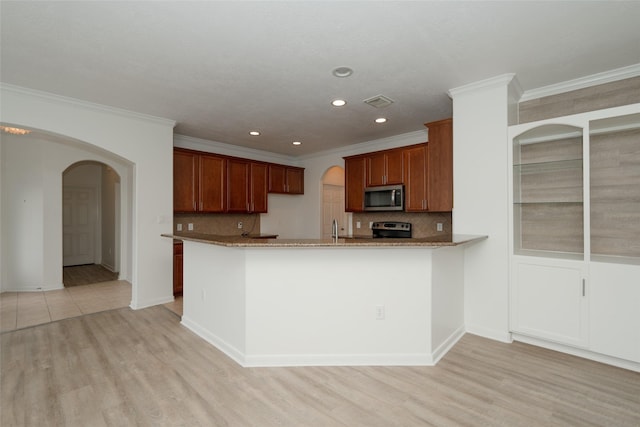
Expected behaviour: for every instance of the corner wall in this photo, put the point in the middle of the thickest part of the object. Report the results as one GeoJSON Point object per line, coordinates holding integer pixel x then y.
{"type": "Point", "coordinates": [481, 118]}
{"type": "Point", "coordinates": [143, 142]}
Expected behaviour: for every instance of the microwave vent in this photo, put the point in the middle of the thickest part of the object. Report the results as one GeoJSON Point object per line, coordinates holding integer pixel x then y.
{"type": "Point", "coordinates": [379, 101]}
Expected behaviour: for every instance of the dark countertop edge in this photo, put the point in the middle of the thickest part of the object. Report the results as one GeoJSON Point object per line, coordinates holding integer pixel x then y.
{"type": "Point", "coordinates": [248, 242]}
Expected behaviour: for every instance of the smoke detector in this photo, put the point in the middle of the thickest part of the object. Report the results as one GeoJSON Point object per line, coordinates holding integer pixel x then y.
{"type": "Point", "coordinates": [379, 101]}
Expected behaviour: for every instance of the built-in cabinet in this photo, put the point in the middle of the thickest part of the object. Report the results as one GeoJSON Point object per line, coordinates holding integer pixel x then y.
{"type": "Point", "coordinates": [575, 258]}
{"type": "Point", "coordinates": [426, 170]}
{"type": "Point", "coordinates": [177, 267]}
{"type": "Point", "coordinates": [211, 183]}
{"type": "Point", "coordinates": [286, 179]}
{"type": "Point", "coordinates": [199, 182]}
{"type": "Point", "coordinates": [385, 168]}
{"type": "Point", "coordinates": [247, 186]}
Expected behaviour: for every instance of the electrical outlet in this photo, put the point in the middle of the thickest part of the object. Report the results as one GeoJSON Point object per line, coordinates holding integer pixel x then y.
{"type": "Point", "coordinates": [439, 226]}
{"type": "Point", "coordinates": [358, 225]}
{"type": "Point", "coordinates": [190, 227]}
{"type": "Point", "coordinates": [179, 227]}
{"type": "Point", "coordinates": [379, 312]}
{"type": "Point", "coordinates": [370, 224]}
{"type": "Point", "coordinates": [240, 224]}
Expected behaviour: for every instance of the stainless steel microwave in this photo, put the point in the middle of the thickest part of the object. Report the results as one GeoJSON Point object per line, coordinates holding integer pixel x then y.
{"type": "Point", "coordinates": [384, 198]}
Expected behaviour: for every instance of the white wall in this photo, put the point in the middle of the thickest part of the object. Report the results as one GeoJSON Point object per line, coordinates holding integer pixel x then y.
{"type": "Point", "coordinates": [481, 118]}
{"type": "Point", "coordinates": [143, 143]}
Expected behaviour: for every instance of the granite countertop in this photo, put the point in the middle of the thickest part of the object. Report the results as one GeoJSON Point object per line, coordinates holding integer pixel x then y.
{"type": "Point", "coordinates": [348, 241]}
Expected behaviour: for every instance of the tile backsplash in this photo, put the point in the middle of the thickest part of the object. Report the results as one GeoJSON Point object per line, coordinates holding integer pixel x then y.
{"type": "Point", "coordinates": [220, 224]}
{"type": "Point", "coordinates": [423, 224]}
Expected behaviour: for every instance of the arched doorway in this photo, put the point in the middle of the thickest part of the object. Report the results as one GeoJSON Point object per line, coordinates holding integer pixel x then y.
{"type": "Point", "coordinates": [90, 223]}
{"type": "Point", "coordinates": [333, 202]}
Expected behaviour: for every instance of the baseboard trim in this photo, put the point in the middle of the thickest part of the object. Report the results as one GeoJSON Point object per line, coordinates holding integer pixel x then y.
{"type": "Point", "coordinates": [235, 354]}
{"type": "Point", "coordinates": [137, 305]}
{"type": "Point", "coordinates": [586, 354]}
{"type": "Point", "coordinates": [447, 345]}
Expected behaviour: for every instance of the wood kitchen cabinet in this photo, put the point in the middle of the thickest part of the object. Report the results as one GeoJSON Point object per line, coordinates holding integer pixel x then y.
{"type": "Point", "coordinates": [440, 166]}
{"type": "Point", "coordinates": [177, 267]}
{"type": "Point", "coordinates": [286, 179]}
{"type": "Point", "coordinates": [355, 179]}
{"type": "Point", "coordinates": [415, 178]}
{"type": "Point", "coordinates": [385, 168]}
{"type": "Point", "coordinates": [199, 182]}
{"type": "Point", "coordinates": [247, 184]}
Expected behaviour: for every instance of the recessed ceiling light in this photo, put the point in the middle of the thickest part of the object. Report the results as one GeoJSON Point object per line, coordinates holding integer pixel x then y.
{"type": "Point", "coordinates": [254, 133]}
{"type": "Point", "coordinates": [342, 72]}
{"type": "Point", "coordinates": [381, 120]}
{"type": "Point", "coordinates": [338, 102]}
{"type": "Point", "coordinates": [297, 143]}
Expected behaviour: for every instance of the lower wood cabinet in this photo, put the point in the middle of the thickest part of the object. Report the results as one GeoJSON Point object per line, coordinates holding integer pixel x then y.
{"type": "Point", "coordinates": [177, 267]}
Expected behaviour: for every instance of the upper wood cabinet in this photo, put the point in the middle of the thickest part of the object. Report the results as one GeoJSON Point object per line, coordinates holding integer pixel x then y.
{"type": "Point", "coordinates": [286, 179]}
{"type": "Point", "coordinates": [246, 186]}
{"type": "Point", "coordinates": [185, 181]}
{"type": "Point", "coordinates": [415, 178]}
{"type": "Point", "coordinates": [440, 166]}
{"type": "Point", "coordinates": [385, 168]}
{"type": "Point", "coordinates": [426, 170]}
{"type": "Point", "coordinates": [355, 178]}
{"type": "Point", "coordinates": [198, 182]}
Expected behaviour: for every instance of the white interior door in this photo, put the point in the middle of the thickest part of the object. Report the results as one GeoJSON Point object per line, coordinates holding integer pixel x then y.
{"type": "Point", "coordinates": [79, 226]}
{"type": "Point", "coordinates": [333, 208]}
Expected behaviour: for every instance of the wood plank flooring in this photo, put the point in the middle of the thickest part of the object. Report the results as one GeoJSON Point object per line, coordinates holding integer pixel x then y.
{"type": "Point", "coordinates": [79, 275]}
{"type": "Point", "coordinates": [124, 367]}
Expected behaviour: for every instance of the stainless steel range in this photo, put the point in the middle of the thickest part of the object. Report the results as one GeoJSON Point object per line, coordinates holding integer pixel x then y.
{"type": "Point", "coordinates": [391, 229]}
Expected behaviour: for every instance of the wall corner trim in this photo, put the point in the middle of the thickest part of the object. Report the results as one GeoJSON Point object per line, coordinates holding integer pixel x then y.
{"type": "Point", "coordinates": [5, 87]}
{"type": "Point", "coordinates": [497, 81]}
{"type": "Point", "coordinates": [583, 82]}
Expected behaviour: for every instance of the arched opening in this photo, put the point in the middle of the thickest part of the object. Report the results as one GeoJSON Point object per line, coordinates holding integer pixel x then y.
{"type": "Point", "coordinates": [90, 223]}
{"type": "Point", "coordinates": [333, 202]}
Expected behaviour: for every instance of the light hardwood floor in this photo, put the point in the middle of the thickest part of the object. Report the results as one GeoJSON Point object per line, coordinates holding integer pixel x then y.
{"type": "Point", "coordinates": [124, 367]}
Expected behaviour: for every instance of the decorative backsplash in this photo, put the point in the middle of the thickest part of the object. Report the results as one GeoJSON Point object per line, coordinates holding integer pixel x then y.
{"type": "Point", "coordinates": [423, 224]}
{"type": "Point", "coordinates": [219, 224]}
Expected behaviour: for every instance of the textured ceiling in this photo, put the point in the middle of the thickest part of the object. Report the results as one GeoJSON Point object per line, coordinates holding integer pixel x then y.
{"type": "Point", "coordinates": [221, 69]}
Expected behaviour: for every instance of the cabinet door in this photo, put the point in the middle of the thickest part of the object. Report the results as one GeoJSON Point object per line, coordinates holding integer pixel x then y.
{"type": "Point", "coordinates": [185, 181]}
{"type": "Point", "coordinates": [376, 169]}
{"type": "Point", "coordinates": [614, 310]}
{"type": "Point", "coordinates": [440, 166]}
{"type": "Point", "coordinates": [212, 194]}
{"type": "Point", "coordinates": [277, 179]}
{"type": "Point", "coordinates": [295, 180]}
{"type": "Point", "coordinates": [259, 175]}
{"type": "Point", "coordinates": [237, 185]}
{"type": "Point", "coordinates": [549, 300]}
{"type": "Point", "coordinates": [177, 268]}
{"type": "Point", "coordinates": [354, 172]}
{"type": "Point", "coordinates": [415, 182]}
{"type": "Point", "coordinates": [394, 167]}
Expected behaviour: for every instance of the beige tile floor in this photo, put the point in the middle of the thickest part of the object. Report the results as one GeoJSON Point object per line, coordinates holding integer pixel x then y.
{"type": "Point", "coordinates": [24, 309]}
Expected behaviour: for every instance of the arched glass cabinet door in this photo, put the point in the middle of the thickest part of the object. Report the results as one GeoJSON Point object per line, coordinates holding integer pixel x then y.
{"type": "Point", "coordinates": [548, 192]}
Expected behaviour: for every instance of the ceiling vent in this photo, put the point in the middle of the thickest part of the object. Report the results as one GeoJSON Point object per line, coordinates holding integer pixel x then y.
{"type": "Point", "coordinates": [379, 101]}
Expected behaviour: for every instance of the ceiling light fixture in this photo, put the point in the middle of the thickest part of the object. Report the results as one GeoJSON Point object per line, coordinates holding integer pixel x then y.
{"type": "Point", "coordinates": [338, 102]}
{"type": "Point", "coordinates": [342, 72]}
{"type": "Point", "coordinates": [254, 133]}
{"type": "Point", "coordinates": [297, 143]}
{"type": "Point", "coordinates": [381, 120]}
{"type": "Point", "coordinates": [15, 131]}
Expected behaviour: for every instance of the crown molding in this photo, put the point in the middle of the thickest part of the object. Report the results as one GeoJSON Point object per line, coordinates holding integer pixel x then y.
{"type": "Point", "coordinates": [493, 82]}
{"type": "Point", "coordinates": [583, 82]}
{"type": "Point", "coordinates": [216, 147]}
{"type": "Point", "coordinates": [5, 87]}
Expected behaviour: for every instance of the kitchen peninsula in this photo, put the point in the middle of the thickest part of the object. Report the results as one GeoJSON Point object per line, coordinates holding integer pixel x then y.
{"type": "Point", "coordinates": [283, 302]}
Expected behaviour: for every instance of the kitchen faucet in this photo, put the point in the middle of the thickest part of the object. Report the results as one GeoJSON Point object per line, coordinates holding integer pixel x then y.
{"type": "Point", "coordinates": [334, 229]}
